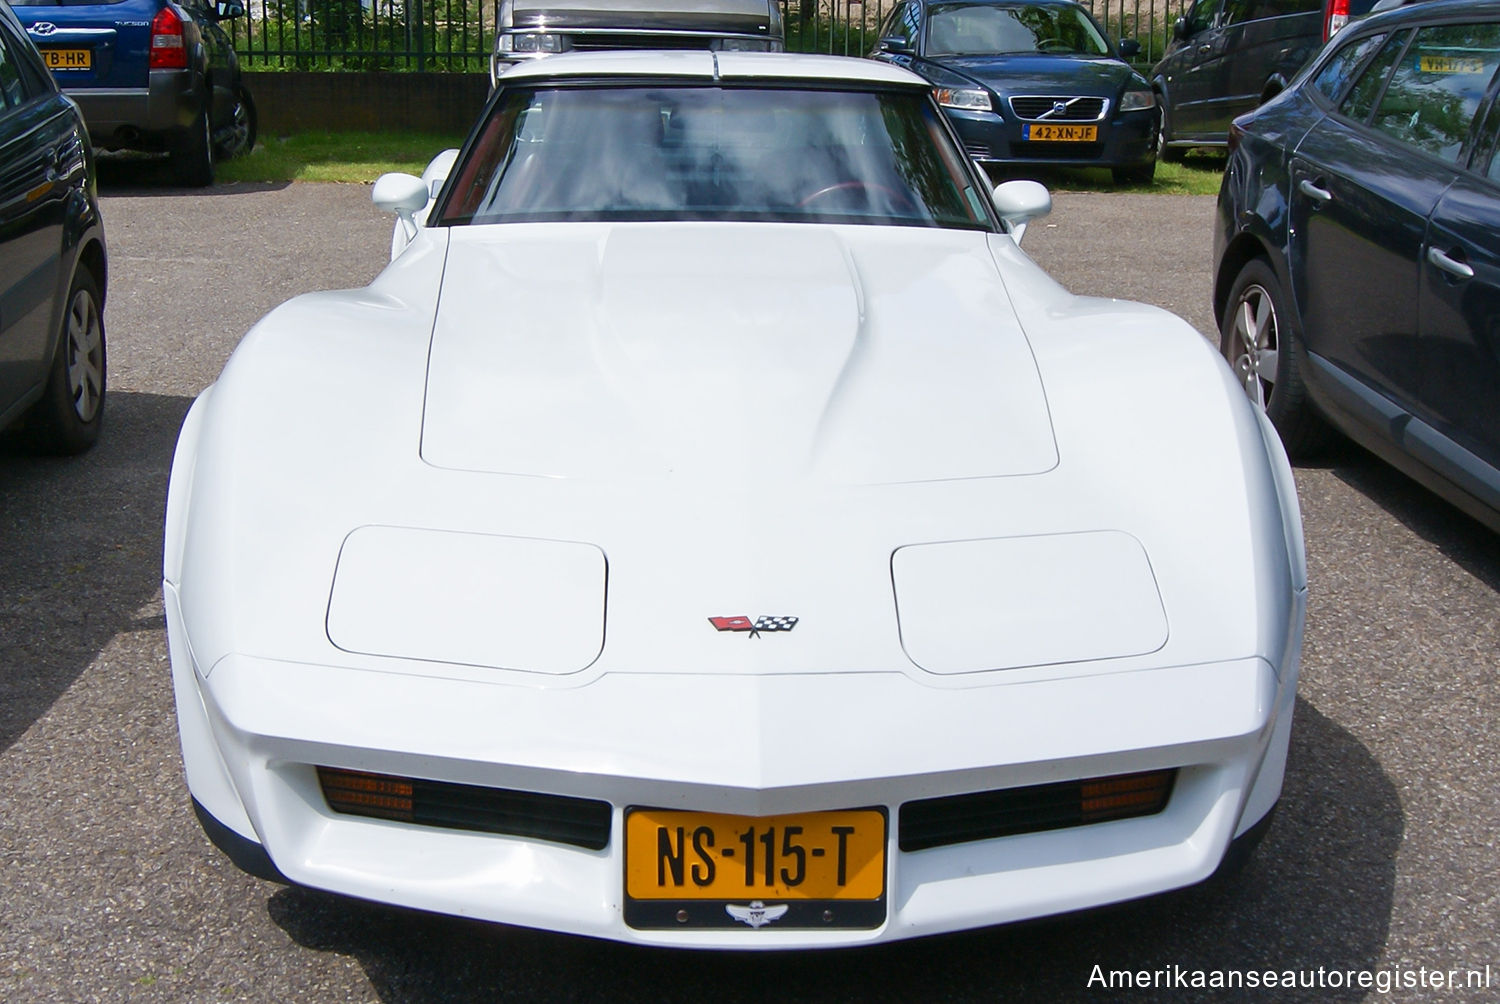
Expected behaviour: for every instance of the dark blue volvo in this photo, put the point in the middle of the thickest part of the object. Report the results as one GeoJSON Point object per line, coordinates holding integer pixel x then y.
{"type": "Point", "coordinates": [52, 259]}
{"type": "Point", "coordinates": [1033, 82]}
{"type": "Point", "coordinates": [153, 75]}
{"type": "Point", "coordinates": [1357, 245]}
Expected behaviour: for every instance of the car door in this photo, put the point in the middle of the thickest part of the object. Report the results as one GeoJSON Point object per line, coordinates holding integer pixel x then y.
{"type": "Point", "coordinates": [33, 136]}
{"type": "Point", "coordinates": [1266, 40]}
{"type": "Point", "coordinates": [1191, 69]}
{"type": "Point", "coordinates": [1361, 190]}
{"type": "Point", "coordinates": [1459, 307]}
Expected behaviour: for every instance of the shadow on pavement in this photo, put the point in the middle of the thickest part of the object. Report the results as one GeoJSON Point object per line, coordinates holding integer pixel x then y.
{"type": "Point", "coordinates": [80, 551]}
{"type": "Point", "coordinates": [1288, 910]}
{"type": "Point", "coordinates": [1425, 513]}
{"type": "Point", "coordinates": [142, 175]}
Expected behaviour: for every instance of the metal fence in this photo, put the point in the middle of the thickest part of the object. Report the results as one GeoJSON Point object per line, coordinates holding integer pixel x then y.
{"type": "Point", "coordinates": [456, 36]}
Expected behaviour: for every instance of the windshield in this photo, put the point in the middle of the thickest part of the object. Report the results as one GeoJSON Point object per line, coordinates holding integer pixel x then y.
{"type": "Point", "coordinates": [964, 29]}
{"type": "Point", "coordinates": [695, 152]}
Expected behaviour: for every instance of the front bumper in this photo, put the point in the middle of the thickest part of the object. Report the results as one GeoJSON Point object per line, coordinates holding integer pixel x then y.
{"type": "Point", "coordinates": [1125, 139]}
{"type": "Point", "coordinates": [253, 730]}
{"type": "Point", "coordinates": [139, 117]}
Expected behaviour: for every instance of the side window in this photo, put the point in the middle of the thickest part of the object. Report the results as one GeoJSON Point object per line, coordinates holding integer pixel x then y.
{"type": "Point", "coordinates": [1236, 11]}
{"type": "Point", "coordinates": [1489, 134]}
{"type": "Point", "coordinates": [1367, 89]}
{"type": "Point", "coordinates": [908, 21]}
{"type": "Point", "coordinates": [1339, 70]}
{"type": "Point", "coordinates": [1437, 86]}
{"type": "Point", "coordinates": [1201, 16]}
{"type": "Point", "coordinates": [12, 91]}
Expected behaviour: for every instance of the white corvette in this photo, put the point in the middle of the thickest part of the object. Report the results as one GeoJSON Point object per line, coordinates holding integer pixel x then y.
{"type": "Point", "coordinates": [713, 530]}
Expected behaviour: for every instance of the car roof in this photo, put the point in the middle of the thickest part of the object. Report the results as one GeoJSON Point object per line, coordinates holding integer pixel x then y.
{"type": "Point", "coordinates": [738, 66]}
{"type": "Point", "coordinates": [1411, 11]}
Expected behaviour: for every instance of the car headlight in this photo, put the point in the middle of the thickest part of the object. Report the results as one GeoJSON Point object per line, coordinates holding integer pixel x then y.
{"type": "Point", "coordinates": [961, 97]}
{"type": "Point", "coordinates": [740, 45]}
{"type": "Point", "coordinates": [534, 41]}
{"type": "Point", "coordinates": [1137, 101]}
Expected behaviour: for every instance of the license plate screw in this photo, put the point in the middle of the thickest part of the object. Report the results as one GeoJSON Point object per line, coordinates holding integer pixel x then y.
{"type": "Point", "coordinates": [828, 916]}
{"type": "Point", "coordinates": [682, 916]}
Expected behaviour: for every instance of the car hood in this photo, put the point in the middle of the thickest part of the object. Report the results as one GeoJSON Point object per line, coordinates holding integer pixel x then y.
{"type": "Point", "coordinates": [1028, 73]}
{"type": "Point", "coordinates": [730, 351]}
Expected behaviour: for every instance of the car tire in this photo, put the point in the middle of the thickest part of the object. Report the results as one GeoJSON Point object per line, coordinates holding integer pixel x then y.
{"type": "Point", "coordinates": [1256, 337]}
{"type": "Point", "coordinates": [238, 137]}
{"type": "Point", "coordinates": [67, 418]}
{"type": "Point", "coordinates": [1165, 153]}
{"type": "Point", "coordinates": [1137, 174]}
{"type": "Point", "coordinates": [192, 154]}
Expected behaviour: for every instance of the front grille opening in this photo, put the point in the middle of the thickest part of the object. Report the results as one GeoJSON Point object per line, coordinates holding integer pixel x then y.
{"type": "Point", "coordinates": [563, 819]}
{"type": "Point", "coordinates": [1075, 109]}
{"type": "Point", "coordinates": [985, 815]}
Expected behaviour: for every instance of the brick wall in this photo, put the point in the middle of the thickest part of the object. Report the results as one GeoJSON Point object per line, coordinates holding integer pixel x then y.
{"type": "Point", "coordinates": [371, 102]}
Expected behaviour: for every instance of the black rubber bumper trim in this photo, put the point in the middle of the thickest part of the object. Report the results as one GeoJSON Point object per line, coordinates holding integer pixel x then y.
{"type": "Point", "coordinates": [247, 855]}
{"type": "Point", "coordinates": [1243, 846]}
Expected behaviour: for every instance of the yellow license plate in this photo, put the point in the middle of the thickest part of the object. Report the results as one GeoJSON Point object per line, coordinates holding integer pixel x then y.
{"type": "Point", "coordinates": [1062, 133]}
{"type": "Point", "coordinates": [722, 869]}
{"type": "Point", "coordinates": [68, 59]}
{"type": "Point", "coordinates": [1450, 64]}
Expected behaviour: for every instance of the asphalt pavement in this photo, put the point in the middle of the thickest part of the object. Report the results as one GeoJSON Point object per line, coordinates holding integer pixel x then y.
{"type": "Point", "coordinates": [1380, 859]}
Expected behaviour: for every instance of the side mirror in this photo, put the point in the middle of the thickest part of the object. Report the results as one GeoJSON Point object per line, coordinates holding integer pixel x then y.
{"type": "Point", "coordinates": [1129, 48]}
{"type": "Point", "coordinates": [228, 10]}
{"type": "Point", "coordinates": [1182, 29]}
{"type": "Point", "coordinates": [896, 45]}
{"type": "Point", "coordinates": [1020, 202]}
{"type": "Point", "coordinates": [403, 195]}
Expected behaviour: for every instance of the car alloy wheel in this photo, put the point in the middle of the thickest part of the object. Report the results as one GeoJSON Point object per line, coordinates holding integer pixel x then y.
{"type": "Point", "coordinates": [1255, 338]}
{"type": "Point", "coordinates": [85, 359]}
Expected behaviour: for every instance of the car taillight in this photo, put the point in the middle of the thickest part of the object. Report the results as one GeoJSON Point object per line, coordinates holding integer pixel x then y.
{"type": "Point", "coordinates": [167, 49]}
{"type": "Point", "coordinates": [1338, 16]}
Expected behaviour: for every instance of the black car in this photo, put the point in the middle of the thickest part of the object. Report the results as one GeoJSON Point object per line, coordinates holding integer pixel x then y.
{"type": "Point", "coordinates": [52, 260]}
{"type": "Point", "coordinates": [1227, 56]}
{"type": "Point", "coordinates": [152, 75]}
{"type": "Point", "coordinates": [1357, 248]}
{"type": "Point", "coordinates": [1034, 82]}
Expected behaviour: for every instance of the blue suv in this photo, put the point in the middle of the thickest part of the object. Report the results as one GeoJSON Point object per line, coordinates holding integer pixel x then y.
{"type": "Point", "coordinates": [150, 75]}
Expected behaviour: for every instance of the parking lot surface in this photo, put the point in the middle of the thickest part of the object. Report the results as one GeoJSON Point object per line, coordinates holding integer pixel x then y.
{"type": "Point", "coordinates": [1381, 858]}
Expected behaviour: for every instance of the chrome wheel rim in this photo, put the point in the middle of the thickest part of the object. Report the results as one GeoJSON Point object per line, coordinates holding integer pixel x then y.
{"type": "Point", "coordinates": [1253, 343]}
{"type": "Point", "coordinates": [85, 356]}
{"type": "Point", "coordinates": [239, 129]}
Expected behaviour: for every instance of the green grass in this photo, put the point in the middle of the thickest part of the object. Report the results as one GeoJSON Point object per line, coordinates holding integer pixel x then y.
{"type": "Point", "coordinates": [364, 156]}
{"type": "Point", "coordinates": [344, 156]}
{"type": "Point", "coordinates": [1196, 174]}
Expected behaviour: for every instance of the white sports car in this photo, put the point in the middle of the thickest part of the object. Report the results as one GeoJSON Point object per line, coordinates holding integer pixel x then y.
{"type": "Point", "coordinates": [713, 530]}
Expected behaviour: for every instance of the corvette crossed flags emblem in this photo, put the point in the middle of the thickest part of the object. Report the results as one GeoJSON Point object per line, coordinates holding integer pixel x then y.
{"type": "Point", "coordinates": [755, 627]}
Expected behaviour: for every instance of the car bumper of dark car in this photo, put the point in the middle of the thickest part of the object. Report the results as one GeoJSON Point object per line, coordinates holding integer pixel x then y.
{"type": "Point", "coordinates": [139, 117]}
{"type": "Point", "coordinates": [1124, 140]}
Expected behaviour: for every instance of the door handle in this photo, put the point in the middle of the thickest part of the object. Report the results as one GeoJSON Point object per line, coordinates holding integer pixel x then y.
{"type": "Point", "coordinates": [1452, 266]}
{"type": "Point", "coordinates": [1313, 192]}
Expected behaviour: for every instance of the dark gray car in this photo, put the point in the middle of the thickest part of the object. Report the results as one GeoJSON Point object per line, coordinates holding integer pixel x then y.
{"type": "Point", "coordinates": [529, 29]}
{"type": "Point", "coordinates": [1358, 248]}
{"type": "Point", "coordinates": [52, 259]}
